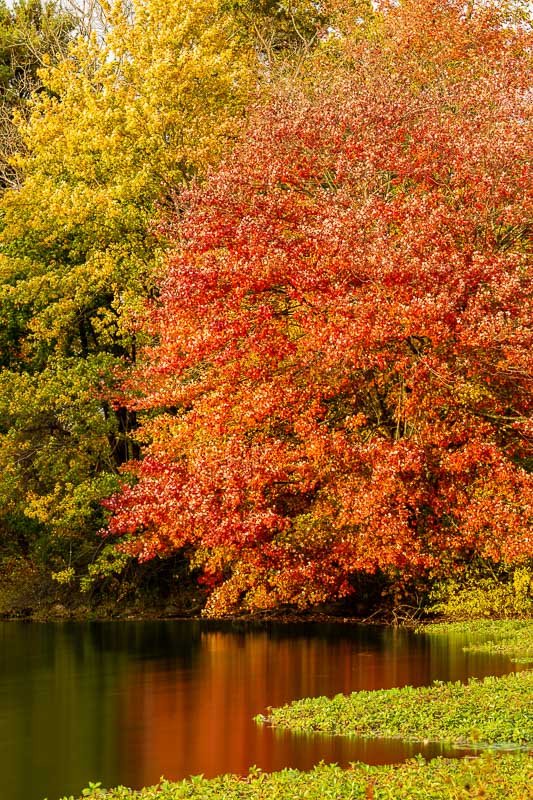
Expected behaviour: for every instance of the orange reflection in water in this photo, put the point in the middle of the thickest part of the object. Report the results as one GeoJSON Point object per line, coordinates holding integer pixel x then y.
{"type": "Point", "coordinates": [125, 702]}
{"type": "Point", "coordinates": [181, 721]}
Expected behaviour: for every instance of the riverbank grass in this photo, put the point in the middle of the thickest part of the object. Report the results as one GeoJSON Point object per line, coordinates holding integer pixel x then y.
{"type": "Point", "coordinates": [513, 638]}
{"type": "Point", "coordinates": [490, 777]}
{"type": "Point", "coordinates": [494, 710]}
{"type": "Point", "coordinates": [491, 711]}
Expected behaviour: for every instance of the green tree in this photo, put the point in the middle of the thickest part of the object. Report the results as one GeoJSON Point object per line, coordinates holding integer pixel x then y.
{"type": "Point", "coordinates": [127, 115]}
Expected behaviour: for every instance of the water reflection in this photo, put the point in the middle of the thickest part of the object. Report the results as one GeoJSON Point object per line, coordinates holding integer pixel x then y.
{"type": "Point", "coordinates": [127, 702]}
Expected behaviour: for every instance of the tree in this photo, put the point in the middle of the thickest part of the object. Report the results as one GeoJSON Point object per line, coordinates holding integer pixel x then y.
{"type": "Point", "coordinates": [141, 105]}
{"type": "Point", "coordinates": [31, 33]}
{"type": "Point", "coordinates": [343, 344]}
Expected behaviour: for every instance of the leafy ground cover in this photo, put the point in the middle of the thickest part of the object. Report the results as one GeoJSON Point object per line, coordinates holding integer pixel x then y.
{"type": "Point", "coordinates": [496, 777]}
{"type": "Point", "coordinates": [488, 711]}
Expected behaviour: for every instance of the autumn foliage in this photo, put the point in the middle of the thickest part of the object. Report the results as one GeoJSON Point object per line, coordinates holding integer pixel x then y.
{"type": "Point", "coordinates": [339, 379]}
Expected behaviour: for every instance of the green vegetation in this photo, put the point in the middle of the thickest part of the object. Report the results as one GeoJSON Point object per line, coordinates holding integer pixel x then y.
{"type": "Point", "coordinates": [477, 594]}
{"type": "Point", "coordinates": [119, 119]}
{"type": "Point", "coordinates": [445, 711]}
{"type": "Point", "coordinates": [512, 638]}
{"type": "Point", "coordinates": [506, 776]}
{"type": "Point", "coordinates": [32, 33]}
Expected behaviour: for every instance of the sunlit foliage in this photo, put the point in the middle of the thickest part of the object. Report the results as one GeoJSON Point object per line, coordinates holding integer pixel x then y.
{"type": "Point", "coordinates": [146, 101]}
{"type": "Point", "coordinates": [340, 377]}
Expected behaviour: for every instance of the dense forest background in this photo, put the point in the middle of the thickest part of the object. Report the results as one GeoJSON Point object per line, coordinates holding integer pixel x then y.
{"type": "Point", "coordinates": [265, 323]}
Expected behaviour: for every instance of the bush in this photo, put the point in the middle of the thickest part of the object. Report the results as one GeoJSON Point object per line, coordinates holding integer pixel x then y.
{"type": "Point", "coordinates": [475, 596]}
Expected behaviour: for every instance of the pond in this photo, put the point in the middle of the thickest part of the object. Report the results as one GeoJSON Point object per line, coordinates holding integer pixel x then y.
{"type": "Point", "coordinates": [128, 702]}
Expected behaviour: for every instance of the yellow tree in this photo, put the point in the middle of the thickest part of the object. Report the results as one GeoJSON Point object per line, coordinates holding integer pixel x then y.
{"type": "Point", "coordinates": [134, 110]}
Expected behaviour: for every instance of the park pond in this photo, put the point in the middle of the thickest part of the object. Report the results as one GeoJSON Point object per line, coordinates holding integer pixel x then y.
{"type": "Point", "coordinates": [126, 702]}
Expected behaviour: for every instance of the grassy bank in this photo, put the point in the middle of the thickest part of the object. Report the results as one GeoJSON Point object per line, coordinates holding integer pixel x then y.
{"type": "Point", "coordinates": [491, 777]}
{"type": "Point", "coordinates": [513, 638]}
{"type": "Point", "coordinates": [495, 710]}
{"type": "Point", "coordinates": [447, 712]}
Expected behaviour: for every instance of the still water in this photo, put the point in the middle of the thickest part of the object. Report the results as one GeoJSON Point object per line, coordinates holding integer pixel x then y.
{"type": "Point", "coordinates": [128, 702]}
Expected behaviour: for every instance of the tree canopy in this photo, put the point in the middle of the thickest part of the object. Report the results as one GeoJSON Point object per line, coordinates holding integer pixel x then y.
{"type": "Point", "coordinates": [126, 114]}
{"type": "Point", "coordinates": [339, 379]}
{"type": "Point", "coordinates": [263, 283]}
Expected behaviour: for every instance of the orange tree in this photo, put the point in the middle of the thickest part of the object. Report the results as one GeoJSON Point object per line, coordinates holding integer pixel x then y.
{"type": "Point", "coordinates": [339, 380]}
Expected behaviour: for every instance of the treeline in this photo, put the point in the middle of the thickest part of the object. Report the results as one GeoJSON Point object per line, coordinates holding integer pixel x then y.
{"type": "Point", "coordinates": [264, 285]}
